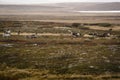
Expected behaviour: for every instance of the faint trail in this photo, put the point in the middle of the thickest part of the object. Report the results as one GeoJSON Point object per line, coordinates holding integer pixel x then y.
{"type": "Point", "coordinates": [40, 34]}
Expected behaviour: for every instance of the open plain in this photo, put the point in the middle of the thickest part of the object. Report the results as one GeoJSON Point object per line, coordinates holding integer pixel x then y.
{"type": "Point", "coordinates": [59, 46]}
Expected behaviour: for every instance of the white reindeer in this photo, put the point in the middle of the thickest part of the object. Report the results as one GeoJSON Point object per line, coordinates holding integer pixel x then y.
{"type": "Point", "coordinates": [7, 34]}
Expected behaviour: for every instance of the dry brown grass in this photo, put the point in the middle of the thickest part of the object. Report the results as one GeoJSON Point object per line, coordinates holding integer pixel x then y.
{"type": "Point", "coordinates": [63, 18]}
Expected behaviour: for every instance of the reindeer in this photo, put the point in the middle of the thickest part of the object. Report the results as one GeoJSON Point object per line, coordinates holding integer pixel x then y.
{"type": "Point", "coordinates": [74, 34]}
{"type": "Point", "coordinates": [19, 32]}
{"type": "Point", "coordinates": [32, 36]}
{"type": "Point", "coordinates": [94, 34]}
{"type": "Point", "coordinates": [7, 33]}
{"type": "Point", "coordinates": [106, 34]}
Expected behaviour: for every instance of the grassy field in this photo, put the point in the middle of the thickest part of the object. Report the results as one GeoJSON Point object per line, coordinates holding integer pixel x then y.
{"type": "Point", "coordinates": [58, 57]}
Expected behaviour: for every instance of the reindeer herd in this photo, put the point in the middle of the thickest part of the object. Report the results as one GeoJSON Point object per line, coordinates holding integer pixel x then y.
{"type": "Point", "coordinates": [92, 34]}
{"type": "Point", "coordinates": [7, 34]}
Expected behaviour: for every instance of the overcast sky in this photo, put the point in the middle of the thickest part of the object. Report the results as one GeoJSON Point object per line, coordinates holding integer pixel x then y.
{"type": "Point", "coordinates": [50, 1]}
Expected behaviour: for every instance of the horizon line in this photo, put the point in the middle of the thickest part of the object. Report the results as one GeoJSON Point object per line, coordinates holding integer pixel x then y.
{"type": "Point", "coordinates": [52, 3]}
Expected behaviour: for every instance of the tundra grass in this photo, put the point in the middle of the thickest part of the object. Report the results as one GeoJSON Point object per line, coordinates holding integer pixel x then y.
{"type": "Point", "coordinates": [59, 58]}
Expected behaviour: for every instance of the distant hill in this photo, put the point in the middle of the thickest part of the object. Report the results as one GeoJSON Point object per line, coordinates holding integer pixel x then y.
{"type": "Point", "coordinates": [59, 7]}
{"type": "Point", "coordinates": [92, 6]}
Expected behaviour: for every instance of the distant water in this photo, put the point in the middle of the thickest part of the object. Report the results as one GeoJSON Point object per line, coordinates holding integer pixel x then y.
{"type": "Point", "coordinates": [98, 11]}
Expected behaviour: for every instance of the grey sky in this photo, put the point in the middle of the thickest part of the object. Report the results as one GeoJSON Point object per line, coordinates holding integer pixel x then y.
{"type": "Point", "coordinates": [50, 1]}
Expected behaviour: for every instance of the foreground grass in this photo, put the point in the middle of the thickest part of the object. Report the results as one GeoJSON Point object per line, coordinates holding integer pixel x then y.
{"type": "Point", "coordinates": [35, 74]}
{"type": "Point", "coordinates": [59, 58]}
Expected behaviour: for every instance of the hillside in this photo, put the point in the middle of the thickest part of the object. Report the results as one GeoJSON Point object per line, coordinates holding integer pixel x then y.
{"type": "Point", "coordinates": [92, 6]}
{"type": "Point", "coordinates": [59, 7]}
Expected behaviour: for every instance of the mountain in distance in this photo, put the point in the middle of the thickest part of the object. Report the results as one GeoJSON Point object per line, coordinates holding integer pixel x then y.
{"type": "Point", "coordinates": [112, 6]}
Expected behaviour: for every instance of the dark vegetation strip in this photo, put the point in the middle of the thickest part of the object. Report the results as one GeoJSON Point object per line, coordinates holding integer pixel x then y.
{"type": "Point", "coordinates": [89, 43]}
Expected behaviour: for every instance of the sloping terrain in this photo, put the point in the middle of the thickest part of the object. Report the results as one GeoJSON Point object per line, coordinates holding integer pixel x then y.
{"type": "Point", "coordinates": [92, 6]}
{"type": "Point", "coordinates": [59, 7]}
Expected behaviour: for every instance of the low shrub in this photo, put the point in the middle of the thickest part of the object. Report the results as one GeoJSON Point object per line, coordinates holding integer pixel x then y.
{"type": "Point", "coordinates": [105, 24]}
